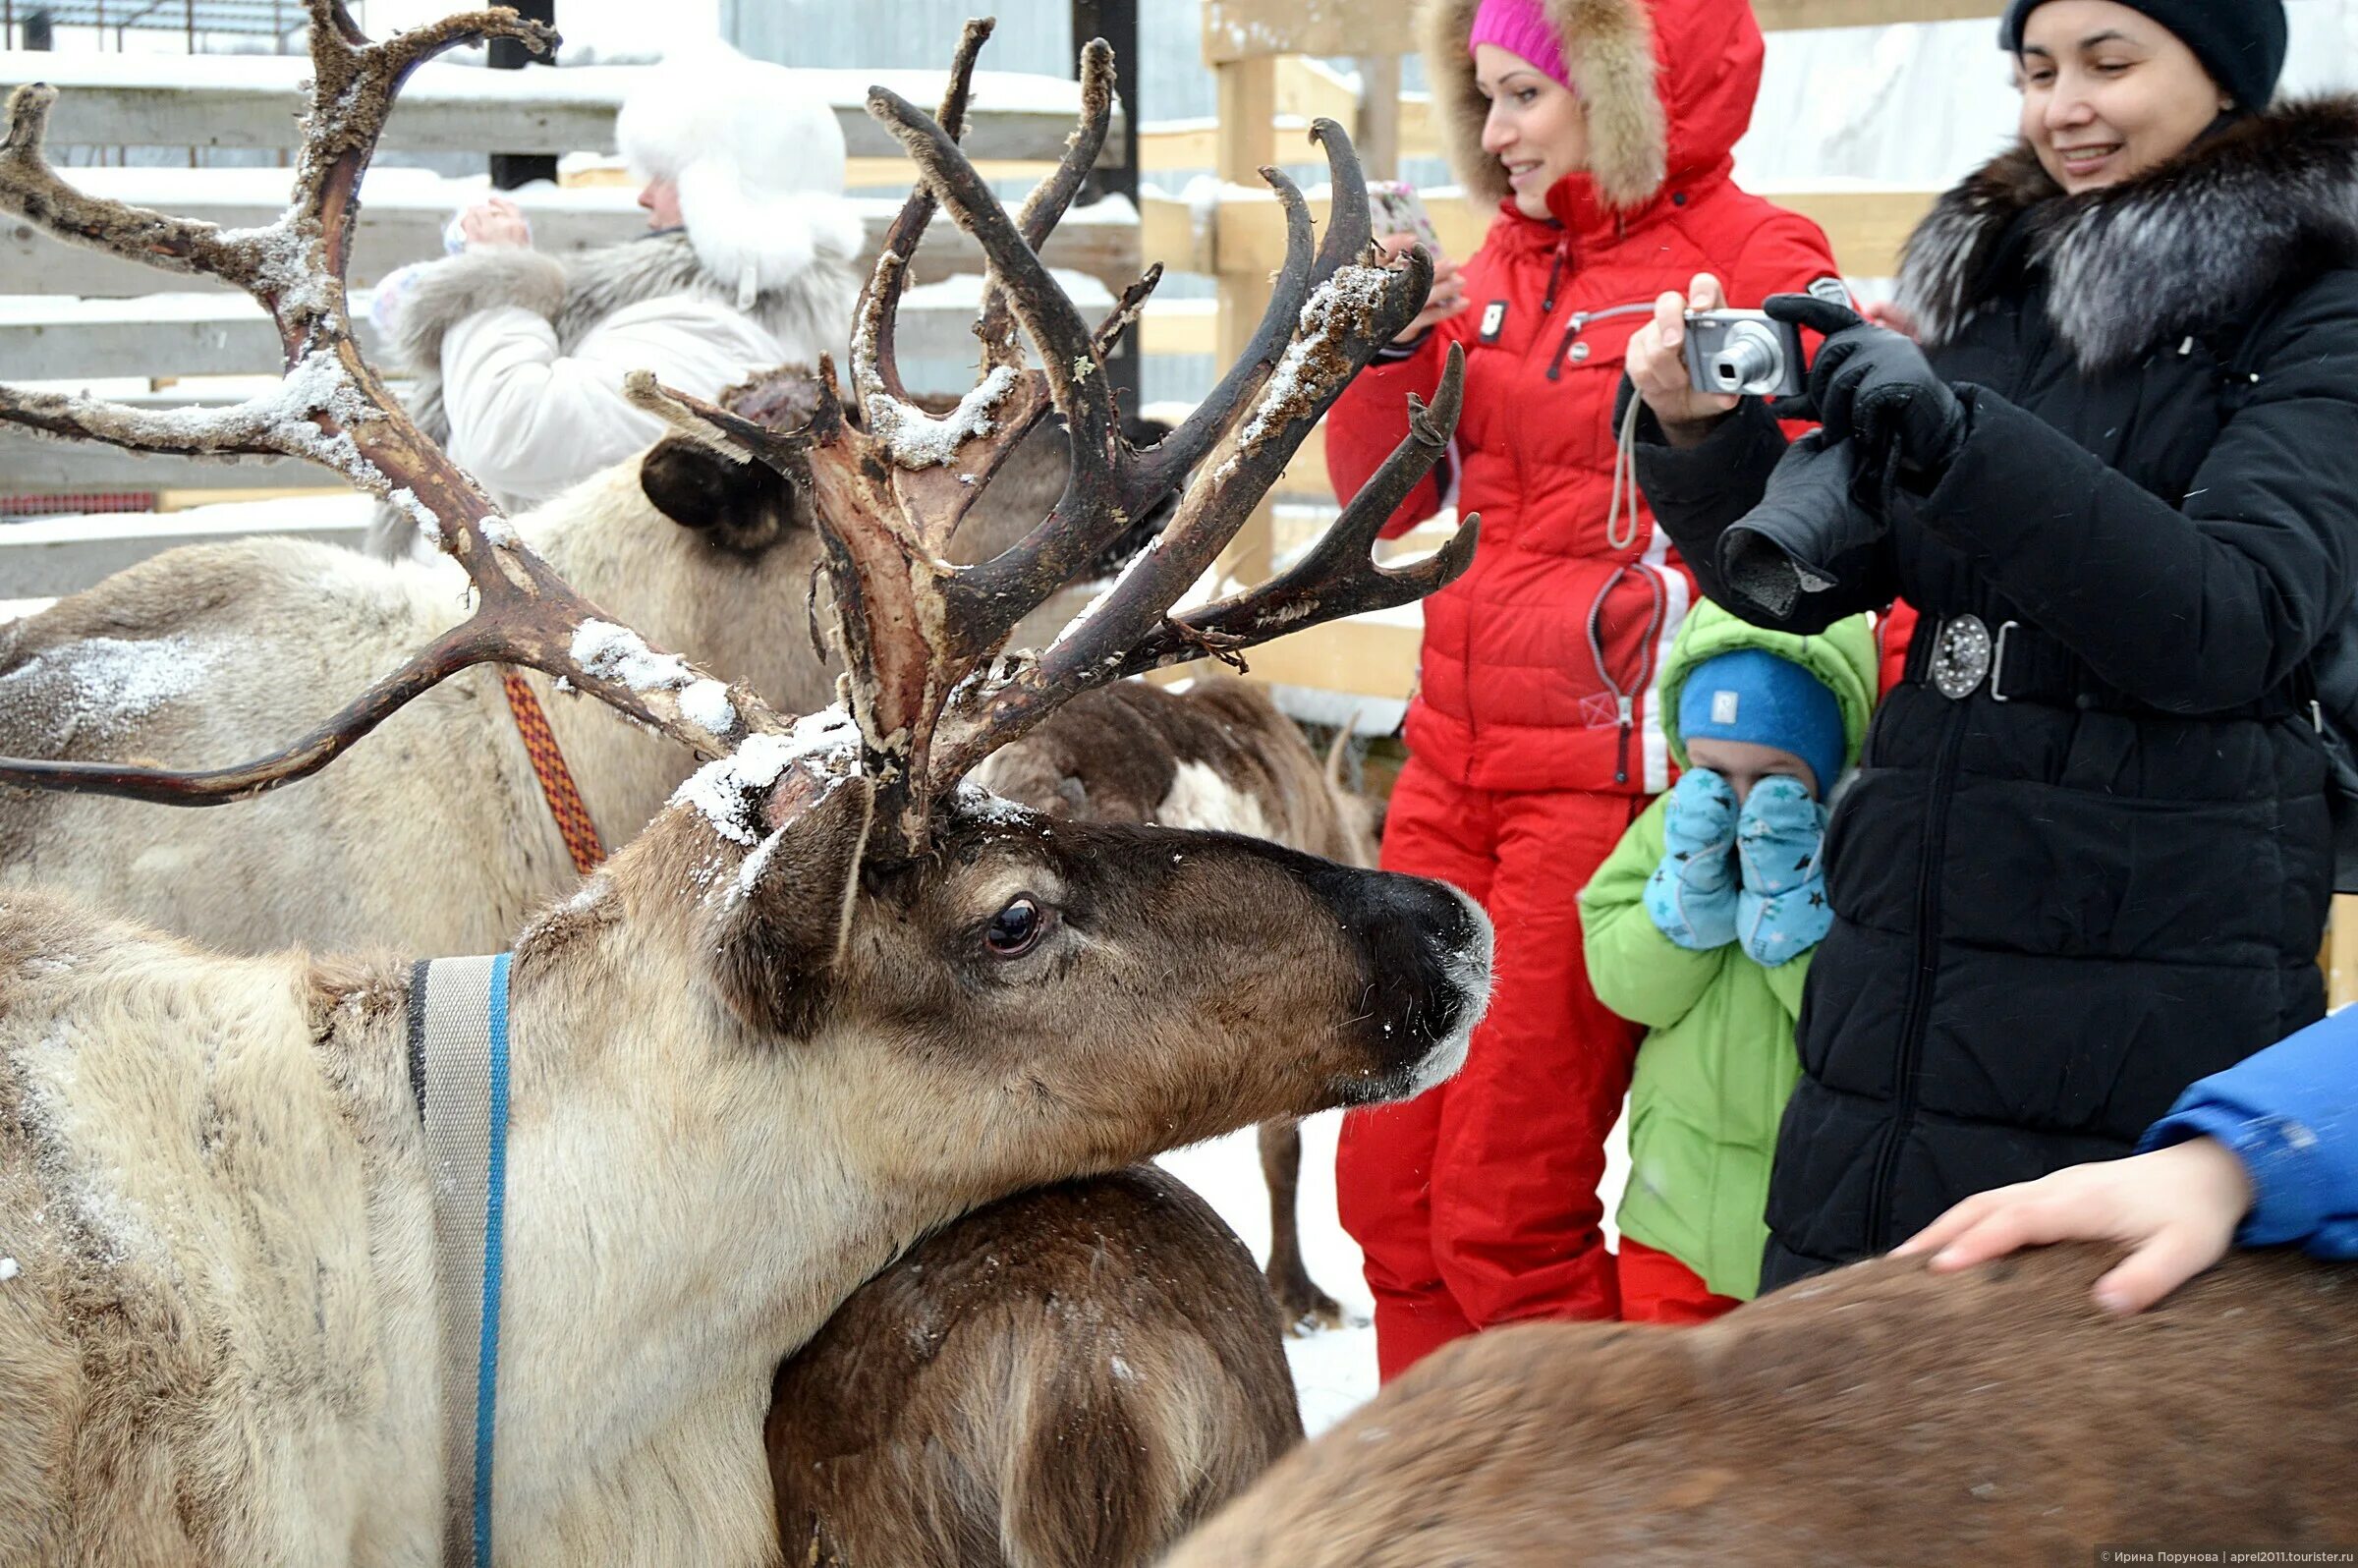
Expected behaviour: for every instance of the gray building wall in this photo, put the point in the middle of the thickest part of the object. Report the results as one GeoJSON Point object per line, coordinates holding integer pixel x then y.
{"type": "Point", "coordinates": [1032, 35]}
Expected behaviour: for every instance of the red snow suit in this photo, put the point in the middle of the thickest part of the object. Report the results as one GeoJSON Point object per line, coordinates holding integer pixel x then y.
{"type": "Point", "coordinates": [1532, 737]}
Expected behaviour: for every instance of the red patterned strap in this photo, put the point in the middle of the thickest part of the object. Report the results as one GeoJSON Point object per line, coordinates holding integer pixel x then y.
{"type": "Point", "coordinates": [548, 765]}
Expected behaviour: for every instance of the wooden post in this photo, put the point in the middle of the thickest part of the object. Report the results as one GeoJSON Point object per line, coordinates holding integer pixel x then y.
{"type": "Point", "coordinates": [1377, 132]}
{"type": "Point", "coordinates": [2341, 957]}
{"type": "Point", "coordinates": [1248, 141]}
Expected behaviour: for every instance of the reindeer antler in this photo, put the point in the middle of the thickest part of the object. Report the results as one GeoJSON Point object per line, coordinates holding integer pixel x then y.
{"type": "Point", "coordinates": [332, 409]}
{"type": "Point", "coordinates": [922, 637]}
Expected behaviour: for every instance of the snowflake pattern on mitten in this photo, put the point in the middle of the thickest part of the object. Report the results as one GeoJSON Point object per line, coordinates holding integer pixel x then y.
{"type": "Point", "coordinates": [1690, 897]}
{"type": "Point", "coordinates": [1782, 912]}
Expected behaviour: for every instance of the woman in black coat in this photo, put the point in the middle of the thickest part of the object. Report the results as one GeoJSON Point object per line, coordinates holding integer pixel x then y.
{"type": "Point", "coordinates": [2089, 857]}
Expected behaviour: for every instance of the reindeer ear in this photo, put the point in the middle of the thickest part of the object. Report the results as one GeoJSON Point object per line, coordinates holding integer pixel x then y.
{"type": "Point", "coordinates": [698, 488]}
{"type": "Point", "coordinates": [783, 931]}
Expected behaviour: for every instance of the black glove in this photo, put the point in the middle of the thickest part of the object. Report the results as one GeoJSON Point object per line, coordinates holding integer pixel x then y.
{"type": "Point", "coordinates": [1873, 385]}
{"type": "Point", "coordinates": [1809, 534]}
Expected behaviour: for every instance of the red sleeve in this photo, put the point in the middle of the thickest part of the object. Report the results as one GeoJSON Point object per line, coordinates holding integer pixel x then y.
{"type": "Point", "coordinates": [1895, 630]}
{"type": "Point", "coordinates": [1784, 254]}
{"type": "Point", "coordinates": [1370, 418]}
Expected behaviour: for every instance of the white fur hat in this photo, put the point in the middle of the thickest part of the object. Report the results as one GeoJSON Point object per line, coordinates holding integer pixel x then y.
{"type": "Point", "coordinates": [757, 159]}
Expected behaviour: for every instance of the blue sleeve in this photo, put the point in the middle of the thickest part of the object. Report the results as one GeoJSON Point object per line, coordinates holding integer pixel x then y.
{"type": "Point", "coordinates": [2291, 1113]}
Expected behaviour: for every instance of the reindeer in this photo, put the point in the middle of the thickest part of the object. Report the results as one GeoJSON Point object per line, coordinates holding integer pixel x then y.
{"type": "Point", "coordinates": [1072, 1377]}
{"type": "Point", "coordinates": [1077, 1377]}
{"type": "Point", "coordinates": [1875, 1414]}
{"type": "Point", "coordinates": [825, 1002]}
{"type": "Point", "coordinates": [1218, 756]}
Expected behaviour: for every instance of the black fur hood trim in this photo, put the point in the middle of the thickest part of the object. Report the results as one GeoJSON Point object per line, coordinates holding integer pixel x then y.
{"type": "Point", "coordinates": [2194, 243]}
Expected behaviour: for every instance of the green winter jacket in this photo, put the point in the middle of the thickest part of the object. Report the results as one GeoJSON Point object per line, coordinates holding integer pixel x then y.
{"type": "Point", "coordinates": [1718, 1058]}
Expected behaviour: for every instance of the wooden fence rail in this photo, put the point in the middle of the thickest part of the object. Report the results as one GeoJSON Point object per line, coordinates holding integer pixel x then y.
{"type": "Point", "coordinates": [404, 211]}
{"type": "Point", "coordinates": [211, 100]}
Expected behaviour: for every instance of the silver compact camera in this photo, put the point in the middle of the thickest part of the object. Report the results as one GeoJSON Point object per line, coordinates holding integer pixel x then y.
{"type": "Point", "coordinates": [1744, 354]}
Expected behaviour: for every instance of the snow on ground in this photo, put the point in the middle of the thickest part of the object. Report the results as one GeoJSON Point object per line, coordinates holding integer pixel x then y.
{"type": "Point", "coordinates": [1334, 1370]}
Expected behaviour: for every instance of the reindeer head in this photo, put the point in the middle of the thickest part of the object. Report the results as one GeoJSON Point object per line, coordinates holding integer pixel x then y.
{"type": "Point", "coordinates": [986, 996]}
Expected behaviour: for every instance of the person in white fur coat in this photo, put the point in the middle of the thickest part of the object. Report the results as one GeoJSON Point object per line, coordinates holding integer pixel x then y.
{"type": "Point", "coordinates": [748, 264]}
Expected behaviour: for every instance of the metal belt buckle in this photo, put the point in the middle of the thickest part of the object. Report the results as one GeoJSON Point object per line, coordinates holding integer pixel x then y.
{"type": "Point", "coordinates": [1962, 657]}
{"type": "Point", "coordinates": [1997, 662]}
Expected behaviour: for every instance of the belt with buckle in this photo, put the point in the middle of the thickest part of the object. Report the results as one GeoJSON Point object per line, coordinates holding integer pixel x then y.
{"type": "Point", "coordinates": [1961, 655]}
{"type": "Point", "coordinates": [1964, 653]}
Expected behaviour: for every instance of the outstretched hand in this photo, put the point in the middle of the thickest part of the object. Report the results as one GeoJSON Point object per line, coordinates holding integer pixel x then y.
{"type": "Point", "coordinates": [2176, 1208]}
{"type": "Point", "coordinates": [495, 222]}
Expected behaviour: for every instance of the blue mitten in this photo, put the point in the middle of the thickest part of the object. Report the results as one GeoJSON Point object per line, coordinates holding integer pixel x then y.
{"type": "Point", "coordinates": [1782, 912]}
{"type": "Point", "coordinates": [1690, 897]}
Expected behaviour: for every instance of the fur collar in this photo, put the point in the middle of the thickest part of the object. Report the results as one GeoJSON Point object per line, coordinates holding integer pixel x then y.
{"type": "Point", "coordinates": [813, 307]}
{"type": "Point", "coordinates": [2193, 244]}
{"type": "Point", "coordinates": [1608, 45]}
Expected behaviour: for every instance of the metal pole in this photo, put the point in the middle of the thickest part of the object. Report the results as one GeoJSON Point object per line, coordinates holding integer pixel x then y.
{"type": "Point", "coordinates": [1117, 22]}
{"type": "Point", "coordinates": [512, 169]}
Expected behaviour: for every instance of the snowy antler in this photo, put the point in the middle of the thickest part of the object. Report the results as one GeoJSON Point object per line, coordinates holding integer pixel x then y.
{"type": "Point", "coordinates": [922, 638]}
{"type": "Point", "coordinates": [332, 409]}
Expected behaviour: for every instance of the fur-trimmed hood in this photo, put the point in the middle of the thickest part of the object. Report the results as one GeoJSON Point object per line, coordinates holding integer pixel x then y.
{"type": "Point", "coordinates": [1648, 122]}
{"type": "Point", "coordinates": [2195, 243]}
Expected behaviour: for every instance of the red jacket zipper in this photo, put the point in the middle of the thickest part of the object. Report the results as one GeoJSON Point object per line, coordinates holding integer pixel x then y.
{"type": "Point", "coordinates": [1580, 319]}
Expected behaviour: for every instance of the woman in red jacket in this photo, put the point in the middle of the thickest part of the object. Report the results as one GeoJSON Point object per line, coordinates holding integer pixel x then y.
{"type": "Point", "coordinates": [1603, 129]}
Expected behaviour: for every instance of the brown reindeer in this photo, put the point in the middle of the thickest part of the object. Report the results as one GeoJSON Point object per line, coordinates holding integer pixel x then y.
{"type": "Point", "coordinates": [1221, 756]}
{"type": "Point", "coordinates": [1075, 1377]}
{"type": "Point", "coordinates": [1071, 1377]}
{"type": "Point", "coordinates": [1875, 1414]}
{"type": "Point", "coordinates": [828, 1001]}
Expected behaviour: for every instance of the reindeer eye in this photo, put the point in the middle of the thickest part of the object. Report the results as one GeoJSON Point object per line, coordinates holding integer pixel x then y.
{"type": "Point", "coordinates": [1015, 928]}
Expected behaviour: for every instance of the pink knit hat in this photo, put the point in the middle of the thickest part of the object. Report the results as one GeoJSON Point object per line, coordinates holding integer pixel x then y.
{"type": "Point", "coordinates": [1520, 28]}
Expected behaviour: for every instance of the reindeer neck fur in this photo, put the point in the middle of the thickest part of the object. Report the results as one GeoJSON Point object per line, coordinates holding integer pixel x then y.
{"type": "Point", "coordinates": [687, 1204]}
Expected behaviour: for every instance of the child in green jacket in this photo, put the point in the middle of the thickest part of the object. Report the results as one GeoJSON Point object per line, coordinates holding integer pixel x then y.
{"type": "Point", "coordinates": [1699, 925]}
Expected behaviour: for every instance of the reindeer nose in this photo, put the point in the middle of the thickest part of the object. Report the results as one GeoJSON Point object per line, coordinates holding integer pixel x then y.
{"type": "Point", "coordinates": [1425, 949]}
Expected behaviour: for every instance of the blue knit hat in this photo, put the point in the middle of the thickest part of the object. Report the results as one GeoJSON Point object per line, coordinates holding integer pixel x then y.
{"type": "Point", "coordinates": [1752, 695]}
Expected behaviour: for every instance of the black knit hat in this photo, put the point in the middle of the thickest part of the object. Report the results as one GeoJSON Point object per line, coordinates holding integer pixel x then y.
{"type": "Point", "coordinates": [2240, 42]}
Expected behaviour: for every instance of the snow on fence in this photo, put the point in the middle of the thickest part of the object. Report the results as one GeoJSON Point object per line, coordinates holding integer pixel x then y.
{"type": "Point", "coordinates": [51, 557]}
{"type": "Point", "coordinates": [250, 101]}
{"type": "Point", "coordinates": [403, 212]}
